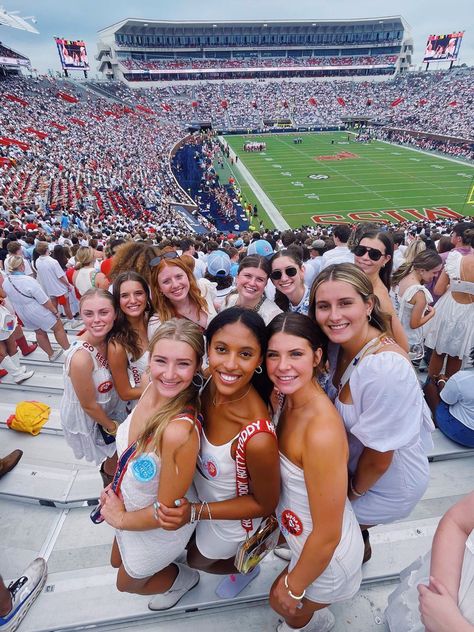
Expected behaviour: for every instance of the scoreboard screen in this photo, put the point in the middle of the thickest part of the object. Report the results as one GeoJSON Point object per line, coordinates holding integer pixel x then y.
{"type": "Point", "coordinates": [73, 54]}
{"type": "Point", "coordinates": [443, 47]}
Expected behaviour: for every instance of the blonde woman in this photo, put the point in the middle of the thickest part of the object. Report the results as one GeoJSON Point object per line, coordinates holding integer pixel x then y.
{"type": "Point", "coordinates": [164, 430]}
{"type": "Point", "coordinates": [84, 277]}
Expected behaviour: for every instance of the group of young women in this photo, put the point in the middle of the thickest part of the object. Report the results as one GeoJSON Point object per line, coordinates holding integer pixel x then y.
{"type": "Point", "coordinates": [213, 438]}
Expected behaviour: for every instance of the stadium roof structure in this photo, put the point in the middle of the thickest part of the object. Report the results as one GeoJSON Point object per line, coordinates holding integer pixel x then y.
{"type": "Point", "coordinates": [147, 23]}
{"type": "Point", "coordinates": [9, 18]}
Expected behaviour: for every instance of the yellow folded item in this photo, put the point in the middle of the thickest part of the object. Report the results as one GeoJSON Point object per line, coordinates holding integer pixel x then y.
{"type": "Point", "coordinates": [29, 417]}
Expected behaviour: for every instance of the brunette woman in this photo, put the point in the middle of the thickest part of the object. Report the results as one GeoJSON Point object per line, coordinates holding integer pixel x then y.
{"type": "Point", "coordinates": [288, 278]}
{"type": "Point", "coordinates": [314, 512]}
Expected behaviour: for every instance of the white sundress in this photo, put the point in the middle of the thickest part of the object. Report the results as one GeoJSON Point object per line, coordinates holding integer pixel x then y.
{"type": "Point", "coordinates": [144, 553]}
{"type": "Point", "coordinates": [404, 310]}
{"type": "Point", "coordinates": [451, 330]}
{"type": "Point", "coordinates": [81, 431]}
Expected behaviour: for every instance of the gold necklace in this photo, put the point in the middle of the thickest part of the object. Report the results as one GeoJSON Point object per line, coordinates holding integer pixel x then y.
{"type": "Point", "coordinates": [231, 401]}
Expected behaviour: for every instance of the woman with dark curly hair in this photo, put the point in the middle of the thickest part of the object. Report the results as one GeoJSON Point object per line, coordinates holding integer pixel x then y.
{"type": "Point", "coordinates": [135, 256]}
{"type": "Point", "coordinates": [127, 349]}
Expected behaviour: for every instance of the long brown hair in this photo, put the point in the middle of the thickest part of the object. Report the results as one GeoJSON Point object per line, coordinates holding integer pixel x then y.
{"type": "Point", "coordinates": [186, 402]}
{"type": "Point", "coordinates": [161, 304]}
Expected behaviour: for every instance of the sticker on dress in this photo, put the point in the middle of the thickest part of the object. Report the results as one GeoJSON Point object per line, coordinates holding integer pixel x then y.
{"type": "Point", "coordinates": [144, 468]}
{"type": "Point", "coordinates": [209, 466]}
{"type": "Point", "coordinates": [105, 387]}
{"type": "Point", "coordinates": [290, 523]}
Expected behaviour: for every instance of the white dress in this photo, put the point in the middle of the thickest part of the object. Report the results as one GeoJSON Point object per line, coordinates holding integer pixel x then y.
{"type": "Point", "coordinates": [402, 612]}
{"type": "Point", "coordinates": [28, 298]}
{"type": "Point", "coordinates": [135, 370]}
{"type": "Point", "coordinates": [81, 431]}
{"type": "Point", "coordinates": [404, 309]}
{"type": "Point", "coordinates": [388, 413]}
{"type": "Point", "coordinates": [451, 330]}
{"type": "Point", "coordinates": [144, 553]}
{"type": "Point", "coordinates": [342, 577]}
{"type": "Point", "coordinates": [267, 310]}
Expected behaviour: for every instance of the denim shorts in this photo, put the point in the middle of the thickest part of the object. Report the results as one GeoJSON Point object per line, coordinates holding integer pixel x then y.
{"type": "Point", "coordinates": [452, 427]}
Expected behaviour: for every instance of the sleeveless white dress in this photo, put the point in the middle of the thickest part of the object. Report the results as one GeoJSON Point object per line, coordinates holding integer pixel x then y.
{"type": "Point", "coordinates": [144, 553]}
{"type": "Point", "coordinates": [404, 309]}
{"type": "Point", "coordinates": [80, 430]}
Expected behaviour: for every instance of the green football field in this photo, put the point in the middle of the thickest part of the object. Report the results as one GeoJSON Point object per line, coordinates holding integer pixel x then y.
{"type": "Point", "coordinates": [329, 178]}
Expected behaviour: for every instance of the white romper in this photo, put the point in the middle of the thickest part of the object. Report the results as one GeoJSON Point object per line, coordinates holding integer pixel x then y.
{"type": "Point", "coordinates": [81, 431]}
{"type": "Point", "coordinates": [215, 480]}
{"type": "Point", "coordinates": [144, 553]}
{"type": "Point", "coordinates": [388, 413]}
{"type": "Point", "coordinates": [342, 577]}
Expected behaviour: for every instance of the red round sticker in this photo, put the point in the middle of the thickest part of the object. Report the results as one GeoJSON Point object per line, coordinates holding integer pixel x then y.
{"type": "Point", "coordinates": [105, 387]}
{"type": "Point", "coordinates": [291, 523]}
{"type": "Point", "coordinates": [211, 469]}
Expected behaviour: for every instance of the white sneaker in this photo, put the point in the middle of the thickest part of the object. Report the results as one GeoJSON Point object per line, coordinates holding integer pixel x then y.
{"type": "Point", "coordinates": [283, 552]}
{"type": "Point", "coordinates": [73, 323]}
{"type": "Point", "coordinates": [186, 579]}
{"type": "Point", "coordinates": [55, 355]}
{"type": "Point", "coordinates": [22, 377]}
{"type": "Point", "coordinates": [321, 621]}
{"type": "Point", "coordinates": [23, 592]}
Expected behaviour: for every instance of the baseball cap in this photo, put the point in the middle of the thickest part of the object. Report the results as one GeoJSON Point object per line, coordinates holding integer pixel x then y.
{"type": "Point", "coordinates": [218, 263]}
{"type": "Point", "coordinates": [260, 247]}
{"type": "Point", "coordinates": [318, 244]}
{"type": "Point", "coordinates": [238, 243]}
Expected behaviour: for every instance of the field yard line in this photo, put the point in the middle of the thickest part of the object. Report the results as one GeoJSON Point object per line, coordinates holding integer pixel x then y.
{"type": "Point", "coordinates": [428, 153]}
{"type": "Point", "coordinates": [271, 210]}
{"type": "Point", "coordinates": [343, 175]}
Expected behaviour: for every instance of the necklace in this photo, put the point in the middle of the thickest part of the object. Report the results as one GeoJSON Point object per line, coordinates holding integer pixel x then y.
{"type": "Point", "coordinates": [231, 401]}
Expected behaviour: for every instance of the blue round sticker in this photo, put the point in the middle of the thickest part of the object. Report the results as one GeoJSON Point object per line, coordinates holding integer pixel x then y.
{"type": "Point", "coordinates": [144, 468]}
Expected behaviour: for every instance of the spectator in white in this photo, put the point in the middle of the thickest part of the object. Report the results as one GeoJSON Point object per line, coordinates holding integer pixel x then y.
{"type": "Point", "coordinates": [9, 356]}
{"type": "Point", "coordinates": [188, 248]}
{"type": "Point", "coordinates": [218, 274]}
{"type": "Point", "coordinates": [341, 253]}
{"type": "Point", "coordinates": [52, 278]}
{"type": "Point", "coordinates": [263, 248]}
{"type": "Point", "coordinates": [34, 307]}
{"type": "Point", "coordinates": [15, 248]}
{"type": "Point", "coordinates": [399, 250]}
{"type": "Point", "coordinates": [312, 267]}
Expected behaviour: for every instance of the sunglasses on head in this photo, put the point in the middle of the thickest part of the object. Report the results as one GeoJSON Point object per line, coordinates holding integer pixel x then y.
{"type": "Point", "coordinates": [277, 274]}
{"type": "Point", "coordinates": [373, 253]}
{"type": "Point", "coordinates": [168, 255]}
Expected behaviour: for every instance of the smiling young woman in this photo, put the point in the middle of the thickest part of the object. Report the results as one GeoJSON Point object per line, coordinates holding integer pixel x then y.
{"type": "Point", "coordinates": [128, 344]}
{"type": "Point", "coordinates": [374, 256]}
{"type": "Point", "coordinates": [90, 399]}
{"type": "Point", "coordinates": [313, 462]}
{"type": "Point", "coordinates": [377, 393]}
{"type": "Point", "coordinates": [164, 431]}
{"type": "Point", "coordinates": [287, 276]}
{"type": "Point", "coordinates": [252, 278]}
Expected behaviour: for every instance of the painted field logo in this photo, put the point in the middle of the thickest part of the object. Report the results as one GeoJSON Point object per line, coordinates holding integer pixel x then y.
{"type": "Point", "coordinates": [389, 215]}
{"type": "Point", "coordinates": [342, 155]}
{"type": "Point", "coordinates": [318, 176]}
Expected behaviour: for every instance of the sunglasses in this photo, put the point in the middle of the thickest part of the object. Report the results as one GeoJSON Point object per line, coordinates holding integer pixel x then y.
{"type": "Point", "coordinates": [277, 274]}
{"type": "Point", "coordinates": [168, 255]}
{"type": "Point", "coordinates": [373, 253]}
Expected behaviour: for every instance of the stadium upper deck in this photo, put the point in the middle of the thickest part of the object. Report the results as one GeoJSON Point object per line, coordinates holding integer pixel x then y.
{"type": "Point", "coordinates": [136, 50]}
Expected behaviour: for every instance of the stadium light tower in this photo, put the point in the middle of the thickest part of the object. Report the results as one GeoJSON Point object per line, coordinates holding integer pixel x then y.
{"type": "Point", "coordinates": [9, 18]}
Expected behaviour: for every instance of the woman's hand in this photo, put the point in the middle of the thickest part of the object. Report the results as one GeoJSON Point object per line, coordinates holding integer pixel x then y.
{"type": "Point", "coordinates": [103, 494]}
{"type": "Point", "coordinates": [113, 509]}
{"type": "Point", "coordinates": [172, 518]}
{"type": "Point", "coordinates": [287, 603]}
{"type": "Point", "coordinates": [439, 611]}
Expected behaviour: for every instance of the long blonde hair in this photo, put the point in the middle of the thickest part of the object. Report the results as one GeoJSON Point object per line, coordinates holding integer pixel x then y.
{"type": "Point", "coordinates": [186, 402]}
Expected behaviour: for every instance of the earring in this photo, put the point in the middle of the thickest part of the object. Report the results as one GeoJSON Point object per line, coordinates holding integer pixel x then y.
{"type": "Point", "coordinates": [258, 370]}
{"type": "Point", "coordinates": [198, 380]}
{"type": "Point", "coordinates": [369, 317]}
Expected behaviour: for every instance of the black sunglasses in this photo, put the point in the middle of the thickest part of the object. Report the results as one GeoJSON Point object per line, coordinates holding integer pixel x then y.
{"type": "Point", "coordinates": [277, 274]}
{"type": "Point", "coordinates": [168, 255]}
{"type": "Point", "coordinates": [373, 253]}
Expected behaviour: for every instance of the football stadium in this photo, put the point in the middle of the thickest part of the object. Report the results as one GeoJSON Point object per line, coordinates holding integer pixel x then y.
{"type": "Point", "coordinates": [213, 230]}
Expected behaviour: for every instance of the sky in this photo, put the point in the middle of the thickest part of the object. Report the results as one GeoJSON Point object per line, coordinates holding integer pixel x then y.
{"type": "Point", "coordinates": [82, 20]}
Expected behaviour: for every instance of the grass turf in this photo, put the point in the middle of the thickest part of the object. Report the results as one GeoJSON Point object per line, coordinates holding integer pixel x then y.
{"type": "Point", "coordinates": [380, 177]}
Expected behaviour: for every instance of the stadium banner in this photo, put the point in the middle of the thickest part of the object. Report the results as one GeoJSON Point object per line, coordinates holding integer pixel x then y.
{"type": "Point", "coordinates": [72, 53]}
{"type": "Point", "coordinates": [443, 47]}
{"type": "Point", "coordinates": [14, 61]}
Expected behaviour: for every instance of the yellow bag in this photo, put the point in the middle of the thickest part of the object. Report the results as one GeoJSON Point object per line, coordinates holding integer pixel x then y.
{"type": "Point", "coordinates": [29, 417]}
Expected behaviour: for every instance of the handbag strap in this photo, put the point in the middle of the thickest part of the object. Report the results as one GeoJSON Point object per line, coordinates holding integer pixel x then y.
{"type": "Point", "coordinates": [15, 288]}
{"type": "Point", "coordinates": [242, 477]}
{"type": "Point", "coordinates": [122, 466]}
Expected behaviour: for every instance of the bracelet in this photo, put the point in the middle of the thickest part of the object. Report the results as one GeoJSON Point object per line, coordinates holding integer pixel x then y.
{"type": "Point", "coordinates": [440, 380]}
{"type": "Point", "coordinates": [156, 506]}
{"type": "Point", "coordinates": [296, 597]}
{"type": "Point", "coordinates": [354, 490]}
{"type": "Point", "coordinates": [192, 518]}
{"type": "Point", "coordinates": [113, 432]}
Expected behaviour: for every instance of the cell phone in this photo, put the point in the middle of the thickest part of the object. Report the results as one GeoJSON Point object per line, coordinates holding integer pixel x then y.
{"type": "Point", "coordinates": [96, 516]}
